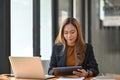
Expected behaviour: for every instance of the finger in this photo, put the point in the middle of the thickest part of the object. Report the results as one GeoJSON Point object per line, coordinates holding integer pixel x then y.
{"type": "Point", "coordinates": [80, 70]}
{"type": "Point", "coordinates": [78, 73]}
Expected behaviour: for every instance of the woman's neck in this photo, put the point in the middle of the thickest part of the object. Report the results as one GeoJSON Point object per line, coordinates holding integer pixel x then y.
{"type": "Point", "coordinates": [71, 44]}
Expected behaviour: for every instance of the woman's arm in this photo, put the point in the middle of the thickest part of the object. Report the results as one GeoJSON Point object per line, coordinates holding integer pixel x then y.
{"type": "Point", "coordinates": [92, 66]}
{"type": "Point", "coordinates": [53, 62]}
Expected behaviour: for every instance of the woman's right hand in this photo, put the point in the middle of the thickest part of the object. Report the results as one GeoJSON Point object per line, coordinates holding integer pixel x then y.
{"type": "Point", "coordinates": [81, 73]}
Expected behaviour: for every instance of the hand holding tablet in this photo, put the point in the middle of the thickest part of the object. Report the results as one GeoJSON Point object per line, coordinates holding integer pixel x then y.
{"type": "Point", "coordinates": [58, 71]}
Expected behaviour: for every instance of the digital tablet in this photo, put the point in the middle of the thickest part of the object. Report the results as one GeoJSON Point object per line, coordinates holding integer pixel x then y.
{"type": "Point", "coordinates": [58, 71]}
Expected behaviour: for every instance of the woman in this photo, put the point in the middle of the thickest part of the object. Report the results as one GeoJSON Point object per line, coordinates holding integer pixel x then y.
{"type": "Point", "coordinates": [71, 50]}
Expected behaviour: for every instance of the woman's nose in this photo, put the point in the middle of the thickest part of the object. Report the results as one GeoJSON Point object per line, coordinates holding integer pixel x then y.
{"type": "Point", "coordinates": [69, 35]}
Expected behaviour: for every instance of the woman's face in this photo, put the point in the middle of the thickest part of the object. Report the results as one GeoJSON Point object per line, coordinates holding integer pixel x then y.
{"type": "Point", "coordinates": [70, 34]}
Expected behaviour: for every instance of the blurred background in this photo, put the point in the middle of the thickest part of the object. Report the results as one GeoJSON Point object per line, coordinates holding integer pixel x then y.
{"type": "Point", "coordinates": [29, 28]}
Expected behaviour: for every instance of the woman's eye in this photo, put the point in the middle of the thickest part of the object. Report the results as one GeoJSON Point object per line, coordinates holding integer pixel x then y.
{"type": "Point", "coordinates": [73, 32]}
{"type": "Point", "coordinates": [65, 32]}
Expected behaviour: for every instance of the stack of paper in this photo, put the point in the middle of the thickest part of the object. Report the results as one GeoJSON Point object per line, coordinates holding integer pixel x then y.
{"type": "Point", "coordinates": [81, 78]}
{"type": "Point", "coordinates": [103, 78]}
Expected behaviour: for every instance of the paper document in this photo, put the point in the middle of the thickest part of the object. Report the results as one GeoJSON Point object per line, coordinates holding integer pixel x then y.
{"type": "Point", "coordinates": [103, 78]}
{"type": "Point", "coordinates": [81, 78]}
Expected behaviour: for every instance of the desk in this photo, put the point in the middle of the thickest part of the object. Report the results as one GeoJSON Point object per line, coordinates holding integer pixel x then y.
{"type": "Point", "coordinates": [2, 77]}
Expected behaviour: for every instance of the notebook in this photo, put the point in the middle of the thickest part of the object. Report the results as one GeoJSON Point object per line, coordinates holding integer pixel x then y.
{"type": "Point", "coordinates": [28, 67]}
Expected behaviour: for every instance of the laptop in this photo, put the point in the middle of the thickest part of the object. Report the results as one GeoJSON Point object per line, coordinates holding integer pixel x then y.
{"type": "Point", "coordinates": [28, 67]}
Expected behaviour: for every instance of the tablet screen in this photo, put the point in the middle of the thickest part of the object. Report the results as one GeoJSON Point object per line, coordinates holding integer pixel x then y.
{"type": "Point", "coordinates": [65, 70]}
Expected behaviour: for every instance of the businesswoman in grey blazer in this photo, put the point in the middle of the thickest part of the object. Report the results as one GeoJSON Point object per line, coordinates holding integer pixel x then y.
{"type": "Point", "coordinates": [71, 50]}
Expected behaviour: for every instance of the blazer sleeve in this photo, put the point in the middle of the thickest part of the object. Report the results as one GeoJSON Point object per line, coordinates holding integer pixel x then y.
{"type": "Point", "coordinates": [53, 62]}
{"type": "Point", "coordinates": [91, 61]}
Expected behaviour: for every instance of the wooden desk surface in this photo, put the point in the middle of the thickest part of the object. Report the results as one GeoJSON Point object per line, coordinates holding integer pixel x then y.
{"type": "Point", "coordinates": [3, 77]}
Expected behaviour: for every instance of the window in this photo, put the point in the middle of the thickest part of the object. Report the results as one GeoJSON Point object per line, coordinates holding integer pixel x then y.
{"type": "Point", "coordinates": [46, 29]}
{"type": "Point", "coordinates": [21, 28]}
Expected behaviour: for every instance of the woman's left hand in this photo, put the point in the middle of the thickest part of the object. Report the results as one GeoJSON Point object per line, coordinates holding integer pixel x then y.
{"type": "Point", "coordinates": [81, 73]}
